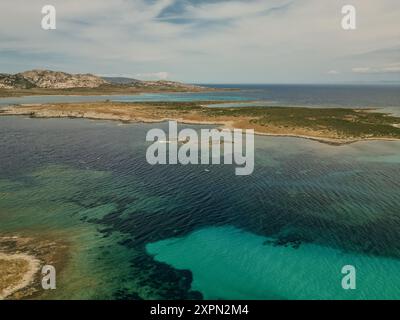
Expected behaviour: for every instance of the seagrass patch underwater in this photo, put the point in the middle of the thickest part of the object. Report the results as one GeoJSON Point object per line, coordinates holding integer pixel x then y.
{"type": "Point", "coordinates": [144, 232]}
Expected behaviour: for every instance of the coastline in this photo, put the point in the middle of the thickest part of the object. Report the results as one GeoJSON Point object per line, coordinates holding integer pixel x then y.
{"type": "Point", "coordinates": [28, 267]}
{"type": "Point", "coordinates": [198, 113]}
{"type": "Point", "coordinates": [21, 257]}
{"type": "Point", "coordinates": [101, 92]}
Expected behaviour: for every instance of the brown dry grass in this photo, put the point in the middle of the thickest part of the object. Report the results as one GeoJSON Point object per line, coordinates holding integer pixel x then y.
{"type": "Point", "coordinates": [12, 272]}
{"type": "Point", "coordinates": [328, 125]}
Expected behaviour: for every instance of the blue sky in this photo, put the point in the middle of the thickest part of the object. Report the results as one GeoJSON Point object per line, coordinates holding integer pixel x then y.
{"type": "Point", "coordinates": [206, 41]}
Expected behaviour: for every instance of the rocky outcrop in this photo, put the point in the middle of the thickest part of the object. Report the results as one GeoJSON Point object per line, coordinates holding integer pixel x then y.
{"type": "Point", "coordinates": [14, 81]}
{"type": "Point", "coordinates": [49, 80]}
{"type": "Point", "coordinates": [61, 80]}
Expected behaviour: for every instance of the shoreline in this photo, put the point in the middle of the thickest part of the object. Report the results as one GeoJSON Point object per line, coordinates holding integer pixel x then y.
{"type": "Point", "coordinates": [22, 254]}
{"type": "Point", "coordinates": [329, 141]}
{"type": "Point", "coordinates": [141, 113]}
{"type": "Point", "coordinates": [4, 94]}
{"type": "Point", "coordinates": [27, 277]}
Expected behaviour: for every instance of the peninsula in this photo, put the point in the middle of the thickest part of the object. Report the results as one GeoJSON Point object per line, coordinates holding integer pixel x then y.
{"type": "Point", "coordinates": [329, 125]}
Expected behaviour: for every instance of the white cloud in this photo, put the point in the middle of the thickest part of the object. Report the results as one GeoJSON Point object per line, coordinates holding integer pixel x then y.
{"type": "Point", "coordinates": [390, 68]}
{"type": "Point", "coordinates": [230, 9]}
{"type": "Point", "coordinates": [362, 70]}
{"type": "Point", "coordinates": [224, 41]}
{"type": "Point", "coordinates": [152, 76]}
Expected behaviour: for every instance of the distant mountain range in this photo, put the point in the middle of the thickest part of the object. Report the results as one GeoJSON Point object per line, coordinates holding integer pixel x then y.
{"type": "Point", "coordinates": [48, 79]}
{"type": "Point", "coordinates": [121, 80]}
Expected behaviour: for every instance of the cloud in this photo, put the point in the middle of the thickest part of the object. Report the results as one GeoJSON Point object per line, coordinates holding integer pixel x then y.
{"type": "Point", "coordinates": [152, 76]}
{"type": "Point", "coordinates": [362, 70]}
{"type": "Point", "coordinates": [202, 40]}
{"type": "Point", "coordinates": [391, 68]}
{"type": "Point", "coordinates": [222, 10]}
{"type": "Point", "coordinates": [333, 72]}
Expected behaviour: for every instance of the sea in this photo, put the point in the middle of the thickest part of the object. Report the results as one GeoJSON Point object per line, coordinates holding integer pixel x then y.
{"type": "Point", "coordinates": [137, 231]}
{"type": "Point", "coordinates": [386, 97]}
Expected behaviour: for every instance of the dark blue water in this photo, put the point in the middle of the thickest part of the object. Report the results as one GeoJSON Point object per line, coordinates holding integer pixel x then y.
{"type": "Point", "coordinates": [170, 232]}
{"type": "Point", "coordinates": [182, 232]}
{"type": "Point", "coordinates": [363, 96]}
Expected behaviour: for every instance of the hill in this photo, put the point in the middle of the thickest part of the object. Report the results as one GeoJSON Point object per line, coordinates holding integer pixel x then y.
{"type": "Point", "coordinates": [47, 79]}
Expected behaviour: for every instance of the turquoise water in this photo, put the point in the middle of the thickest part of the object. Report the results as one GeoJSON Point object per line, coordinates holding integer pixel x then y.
{"type": "Point", "coordinates": [142, 232]}
{"type": "Point", "coordinates": [350, 96]}
{"type": "Point", "coordinates": [228, 263]}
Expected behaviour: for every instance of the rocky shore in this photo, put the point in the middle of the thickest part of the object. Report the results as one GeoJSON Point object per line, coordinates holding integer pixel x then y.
{"type": "Point", "coordinates": [21, 260]}
{"type": "Point", "coordinates": [332, 126]}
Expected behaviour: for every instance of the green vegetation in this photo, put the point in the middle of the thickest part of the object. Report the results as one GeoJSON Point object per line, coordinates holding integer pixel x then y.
{"type": "Point", "coordinates": [346, 122]}
{"type": "Point", "coordinates": [336, 124]}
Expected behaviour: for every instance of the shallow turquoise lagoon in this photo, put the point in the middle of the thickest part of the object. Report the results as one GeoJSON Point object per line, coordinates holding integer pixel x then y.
{"type": "Point", "coordinates": [229, 263]}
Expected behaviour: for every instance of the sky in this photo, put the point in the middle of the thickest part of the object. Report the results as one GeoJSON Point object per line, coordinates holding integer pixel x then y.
{"type": "Point", "coordinates": [206, 41]}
